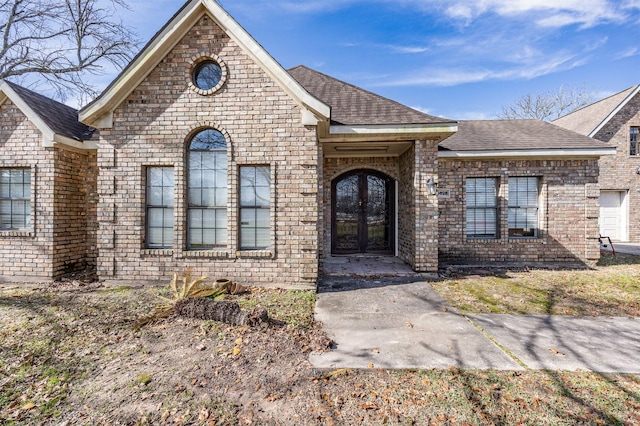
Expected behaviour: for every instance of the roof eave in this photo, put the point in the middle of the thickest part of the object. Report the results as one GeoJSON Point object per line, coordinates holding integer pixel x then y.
{"type": "Point", "coordinates": [432, 131]}
{"type": "Point", "coordinates": [529, 153]}
{"type": "Point", "coordinates": [49, 137]}
{"type": "Point", "coordinates": [614, 112]}
{"type": "Point", "coordinates": [173, 32]}
{"type": "Point", "coordinates": [47, 133]}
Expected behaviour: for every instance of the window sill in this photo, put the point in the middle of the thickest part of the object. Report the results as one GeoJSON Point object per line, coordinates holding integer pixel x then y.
{"type": "Point", "coordinates": [254, 253]}
{"type": "Point", "coordinates": [16, 233]}
{"type": "Point", "coordinates": [222, 254]}
{"type": "Point", "coordinates": [482, 239]}
{"type": "Point", "coordinates": [157, 252]}
{"type": "Point", "coordinates": [526, 240]}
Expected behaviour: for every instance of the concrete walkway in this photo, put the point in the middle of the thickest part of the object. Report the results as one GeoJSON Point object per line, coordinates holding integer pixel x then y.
{"type": "Point", "coordinates": [404, 323]}
{"type": "Point", "coordinates": [627, 248]}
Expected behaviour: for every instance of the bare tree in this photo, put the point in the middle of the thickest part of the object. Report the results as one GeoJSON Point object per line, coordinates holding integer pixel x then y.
{"type": "Point", "coordinates": [63, 41]}
{"type": "Point", "coordinates": [548, 106]}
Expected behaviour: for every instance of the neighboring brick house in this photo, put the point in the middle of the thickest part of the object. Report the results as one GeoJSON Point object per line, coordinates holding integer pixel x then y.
{"type": "Point", "coordinates": [212, 156]}
{"type": "Point", "coordinates": [616, 121]}
{"type": "Point", "coordinates": [48, 194]}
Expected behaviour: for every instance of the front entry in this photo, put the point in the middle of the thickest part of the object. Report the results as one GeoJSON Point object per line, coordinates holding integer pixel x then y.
{"type": "Point", "coordinates": [363, 213]}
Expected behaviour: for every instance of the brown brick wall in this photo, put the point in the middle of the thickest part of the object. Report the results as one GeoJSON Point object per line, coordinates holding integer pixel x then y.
{"type": "Point", "coordinates": [62, 208]}
{"type": "Point", "coordinates": [425, 207]}
{"type": "Point", "coordinates": [151, 128]}
{"type": "Point", "coordinates": [567, 212]}
{"type": "Point", "coordinates": [75, 224]}
{"type": "Point", "coordinates": [620, 172]}
{"type": "Point", "coordinates": [28, 252]}
{"type": "Point", "coordinates": [407, 211]}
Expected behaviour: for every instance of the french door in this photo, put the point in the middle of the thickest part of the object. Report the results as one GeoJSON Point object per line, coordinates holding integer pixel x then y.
{"type": "Point", "coordinates": [363, 216]}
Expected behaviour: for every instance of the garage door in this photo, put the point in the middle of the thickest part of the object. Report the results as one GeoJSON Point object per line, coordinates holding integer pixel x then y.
{"type": "Point", "coordinates": [612, 220]}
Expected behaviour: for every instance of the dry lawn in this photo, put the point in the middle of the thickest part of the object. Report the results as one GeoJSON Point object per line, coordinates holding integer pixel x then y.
{"type": "Point", "coordinates": [611, 288]}
{"type": "Point", "coordinates": [69, 356]}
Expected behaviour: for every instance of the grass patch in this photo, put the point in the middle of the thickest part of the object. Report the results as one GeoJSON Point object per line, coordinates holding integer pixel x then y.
{"type": "Point", "coordinates": [294, 307]}
{"type": "Point", "coordinates": [50, 340]}
{"type": "Point", "coordinates": [118, 289]}
{"type": "Point", "coordinates": [74, 357]}
{"type": "Point", "coordinates": [610, 289]}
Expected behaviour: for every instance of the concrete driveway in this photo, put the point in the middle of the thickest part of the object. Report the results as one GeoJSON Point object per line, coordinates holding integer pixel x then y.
{"type": "Point", "coordinates": [404, 323]}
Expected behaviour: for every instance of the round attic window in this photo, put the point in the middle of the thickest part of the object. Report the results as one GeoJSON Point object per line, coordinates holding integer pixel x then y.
{"type": "Point", "coordinates": [207, 75]}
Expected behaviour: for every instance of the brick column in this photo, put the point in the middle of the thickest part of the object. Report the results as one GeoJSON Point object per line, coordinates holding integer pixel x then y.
{"type": "Point", "coordinates": [426, 207]}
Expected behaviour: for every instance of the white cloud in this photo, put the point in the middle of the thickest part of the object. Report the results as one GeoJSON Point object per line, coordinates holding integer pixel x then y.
{"type": "Point", "coordinates": [422, 110]}
{"type": "Point", "coordinates": [628, 53]}
{"type": "Point", "coordinates": [473, 115]}
{"type": "Point", "coordinates": [586, 13]}
{"type": "Point", "coordinates": [408, 49]}
{"type": "Point", "coordinates": [544, 13]}
{"type": "Point", "coordinates": [460, 11]}
{"type": "Point", "coordinates": [457, 75]}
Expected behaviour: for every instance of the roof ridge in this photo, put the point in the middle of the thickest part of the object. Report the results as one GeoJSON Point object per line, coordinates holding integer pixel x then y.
{"type": "Point", "coordinates": [630, 89]}
{"type": "Point", "coordinates": [369, 92]}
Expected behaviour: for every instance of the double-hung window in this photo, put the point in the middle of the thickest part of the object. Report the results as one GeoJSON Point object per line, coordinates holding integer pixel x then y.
{"type": "Point", "coordinates": [255, 207]}
{"type": "Point", "coordinates": [523, 206]}
{"type": "Point", "coordinates": [634, 139]}
{"type": "Point", "coordinates": [160, 201]}
{"type": "Point", "coordinates": [207, 191]}
{"type": "Point", "coordinates": [482, 207]}
{"type": "Point", "coordinates": [15, 198]}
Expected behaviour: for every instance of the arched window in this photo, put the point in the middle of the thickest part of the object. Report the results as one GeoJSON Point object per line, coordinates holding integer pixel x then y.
{"type": "Point", "coordinates": [207, 190]}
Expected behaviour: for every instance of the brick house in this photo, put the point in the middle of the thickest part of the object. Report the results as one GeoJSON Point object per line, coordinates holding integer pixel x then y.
{"type": "Point", "coordinates": [212, 156]}
{"type": "Point", "coordinates": [48, 194]}
{"type": "Point", "coordinates": [615, 120]}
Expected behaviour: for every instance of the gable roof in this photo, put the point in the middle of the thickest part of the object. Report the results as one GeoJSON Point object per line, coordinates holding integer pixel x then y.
{"type": "Point", "coordinates": [518, 138]}
{"type": "Point", "coordinates": [590, 119]}
{"type": "Point", "coordinates": [99, 112]}
{"type": "Point", "coordinates": [56, 121]}
{"type": "Point", "coordinates": [352, 105]}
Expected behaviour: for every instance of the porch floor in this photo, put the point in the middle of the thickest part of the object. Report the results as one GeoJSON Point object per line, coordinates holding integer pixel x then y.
{"type": "Point", "coordinates": [367, 266]}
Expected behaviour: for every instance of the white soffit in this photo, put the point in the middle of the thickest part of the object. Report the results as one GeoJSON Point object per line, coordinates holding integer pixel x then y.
{"type": "Point", "coordinates": [393, 129]}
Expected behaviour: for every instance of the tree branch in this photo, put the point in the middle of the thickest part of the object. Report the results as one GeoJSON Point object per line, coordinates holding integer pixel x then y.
{"type": "Point", "coordinates": [63, 41]}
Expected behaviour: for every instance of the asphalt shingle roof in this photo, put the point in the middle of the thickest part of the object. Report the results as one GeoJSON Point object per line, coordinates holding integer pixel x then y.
{"type": "Point", "coordinates": [587, 119]}
{"type": "Point", "coordinates": [494, 135]}
{"type": "Point", "coordinates": [351, 105]}
{"type": "Point", "coordinates": [60, 118]}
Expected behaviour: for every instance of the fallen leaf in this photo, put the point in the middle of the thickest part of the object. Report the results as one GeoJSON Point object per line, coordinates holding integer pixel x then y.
{"type": "Point", "coordinates": [555, 351]}
{"type": "Point", "coordinates": [338, 372]}
{"type": "Point", "coordinates": [370, 365]}
{"type": "Point", "coordinates": [28, 406]}
{"type": "Point", "coordinates": [409, 324]}
{"type": "Point", "coordinates": [204, 414]}
{"type": "Point", "coordinates": [368, 406]}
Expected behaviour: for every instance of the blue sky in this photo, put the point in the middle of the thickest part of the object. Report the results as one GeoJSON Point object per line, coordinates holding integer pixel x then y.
{"type": "Point", "coordinates": [460, 59]}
